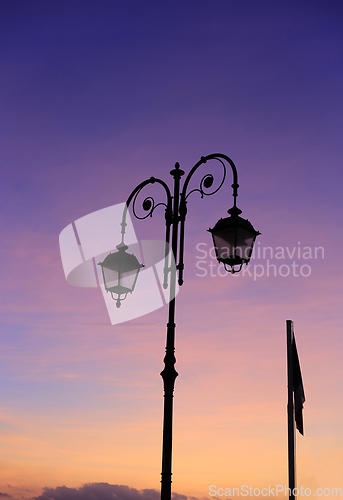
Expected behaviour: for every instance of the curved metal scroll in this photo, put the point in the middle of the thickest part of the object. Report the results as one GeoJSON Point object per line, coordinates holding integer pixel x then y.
{"type": "Point", "coordinates": [205, 183]}
{"type": "Point", "coordinates": [149, 206]}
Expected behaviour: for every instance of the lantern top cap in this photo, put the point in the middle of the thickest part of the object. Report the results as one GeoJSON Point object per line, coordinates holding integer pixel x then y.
{"type": "Point", "coordinates": [115, 260]}
{"type": "Point", "coordinates": [234, 211]}
{"type": "Point", "coordinates": [122, 247]}
{"type": "Point", "coordinates": [234, 219]}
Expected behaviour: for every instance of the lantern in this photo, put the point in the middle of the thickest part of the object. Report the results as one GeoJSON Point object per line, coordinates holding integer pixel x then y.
{"type": "Point", "coordinates": [233, 239]}
{"type": "Point", "coordinates": [120, 272]}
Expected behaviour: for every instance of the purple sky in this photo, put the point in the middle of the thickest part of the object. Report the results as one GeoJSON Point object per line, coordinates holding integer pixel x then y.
{"type": "Point", "coordinates": [95, 98]}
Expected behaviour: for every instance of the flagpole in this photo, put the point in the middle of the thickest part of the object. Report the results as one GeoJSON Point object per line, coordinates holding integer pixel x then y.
{"type": "Point", "coordinates": [290, 411]}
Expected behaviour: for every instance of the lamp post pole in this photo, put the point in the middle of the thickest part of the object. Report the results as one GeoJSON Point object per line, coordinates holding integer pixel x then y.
{"type": "Point", "coordinates": [169, 373]}
{"type": "Point", "coordinates": [233, 230]}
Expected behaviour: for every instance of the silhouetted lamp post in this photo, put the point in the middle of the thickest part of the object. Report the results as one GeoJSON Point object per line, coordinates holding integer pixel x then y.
{"type": "Point", "coordinates": [233, 239]}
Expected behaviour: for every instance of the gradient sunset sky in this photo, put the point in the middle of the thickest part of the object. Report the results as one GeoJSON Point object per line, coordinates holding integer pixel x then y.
{"type": "Point", "coordinates": [97, 96]}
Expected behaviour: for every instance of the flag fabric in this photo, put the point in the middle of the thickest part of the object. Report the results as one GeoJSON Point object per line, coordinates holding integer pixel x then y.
{"type": "Point", "coordinates": [298, 389]}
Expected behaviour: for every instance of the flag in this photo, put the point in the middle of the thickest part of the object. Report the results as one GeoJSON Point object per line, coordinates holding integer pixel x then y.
{"type": "Point", "coordinates": [298, 389]}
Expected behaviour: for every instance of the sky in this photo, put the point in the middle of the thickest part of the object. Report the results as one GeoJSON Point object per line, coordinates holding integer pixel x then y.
{"type": "Point", "coordinates": [97, 97]}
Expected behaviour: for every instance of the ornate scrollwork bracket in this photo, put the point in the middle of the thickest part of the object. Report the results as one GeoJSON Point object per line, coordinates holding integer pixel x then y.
{"type": "Point", "coordinates": [206, 182]}
{"type": "Point", "coordinates": [149, 205]}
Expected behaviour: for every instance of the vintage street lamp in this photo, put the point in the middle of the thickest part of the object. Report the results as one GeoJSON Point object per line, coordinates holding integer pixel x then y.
{"type": "Point", "coordinates": [233, 239]}
{"type": "Point", "coordinates": [120, 272]}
